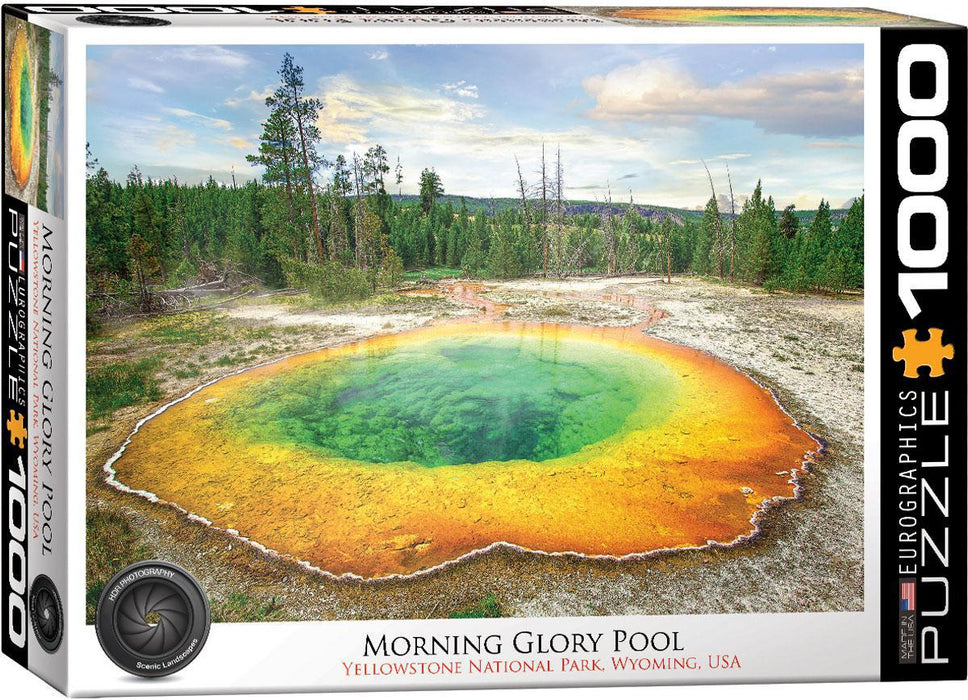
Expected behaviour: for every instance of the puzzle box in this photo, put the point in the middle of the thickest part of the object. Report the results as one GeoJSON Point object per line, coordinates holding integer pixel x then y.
{"type": "Point", "coordinates": [421, 347]}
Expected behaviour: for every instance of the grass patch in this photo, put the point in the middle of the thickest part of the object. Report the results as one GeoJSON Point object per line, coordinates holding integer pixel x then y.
{"type": "Point", "coordinates": [432, 273]}
{"type": "Point", "coordinates": [384, 302]}
{"type": "Point", "coordinates": [392, 299]}
{"type": "Point", "coordinates": [111, 545]}
{"type": "Point", "coordinates": [200, 329]}
{"type": "Point", "coordinates": [186, 371]}
{"type": "Point", "coordinates": [121, 384]}
{"type": "Point", "coordinates": [95, 428]}
{"type": "Point", "coordinates": [239, 607]}
{"type": "Point", "coordinates": [489, 606]}
{"type": "Point", "coordinates": [195, 329]}
{"type": "Point", "coordinates": [232, 360]}
{"type": "Point", "coordinates": [557, 311]}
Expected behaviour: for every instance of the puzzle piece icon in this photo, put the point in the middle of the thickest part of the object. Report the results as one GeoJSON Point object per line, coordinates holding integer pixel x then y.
{"type": "Point", "coordinates": [15, 426]}
{"type": "Point", "coordinates": [923, 353]}
{"type": "Point", "coordinates": [309, 10]}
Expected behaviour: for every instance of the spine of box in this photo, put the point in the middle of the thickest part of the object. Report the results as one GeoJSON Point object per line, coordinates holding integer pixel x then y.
{"type": "Point", "coordinates": [924, 353]}
{"type": "Point", "coordinates": [35, 351]}
{"type": "Point", "coordinates": [15, 370]}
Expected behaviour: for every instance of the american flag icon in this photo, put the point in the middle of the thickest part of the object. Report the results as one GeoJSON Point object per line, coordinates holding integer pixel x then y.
{"type": "Point", "coordinates": [908, 596]}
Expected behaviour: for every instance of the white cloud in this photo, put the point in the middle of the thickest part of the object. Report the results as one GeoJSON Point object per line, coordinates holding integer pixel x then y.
{"type": "Point", "coordinates": [472, 154]}
{"type": "Point", "coordinates": [836, 145]}
{"type": "Point", "coordinates": [461, 89]}
{"type": "Point", "coordinates": [143, 84]}
{"type": "Point", "coordinates": [814, 102]}
{"type": "Point", "coordinates": [378, 55]}
{"type": "Point", "coordinates": [238, 142]}
{"type": "Point", "coordinates": [188, 114]}
{"type": "Point", "coordinates": [151, 139]}
{"type": "Point", "coordinates": [213, 55]}
{"type": "Point", "coordinates": [350, 111]}
{"type": "Point", "coordinates": [257, 96]}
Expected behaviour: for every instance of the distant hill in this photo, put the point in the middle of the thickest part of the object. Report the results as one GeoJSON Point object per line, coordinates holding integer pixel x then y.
{"type": "Point", "coordinates": [653, 212]}
{"type": "Point", "coordinates": [656, 214]}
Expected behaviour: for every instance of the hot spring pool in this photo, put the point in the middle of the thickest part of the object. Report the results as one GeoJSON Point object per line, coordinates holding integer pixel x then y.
{"type": "Point", "coordinates": [460, 399]}
{"type": "Point", "coordinates": [406, 451]}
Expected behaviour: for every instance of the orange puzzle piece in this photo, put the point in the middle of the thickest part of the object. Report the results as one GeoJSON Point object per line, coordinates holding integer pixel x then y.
{"type": "Point", "coordinates": [923, 353]}
{"type": "Point", "coordinates": [15, 426]}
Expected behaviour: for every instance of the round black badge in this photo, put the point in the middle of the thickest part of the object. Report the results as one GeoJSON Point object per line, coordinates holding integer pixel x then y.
{"type": "Point", "coordinates": [122, 20]}
{"type": "Point", "coordinates": [46, 613]}
{"type": "Point", "coordinates": [152, 619]}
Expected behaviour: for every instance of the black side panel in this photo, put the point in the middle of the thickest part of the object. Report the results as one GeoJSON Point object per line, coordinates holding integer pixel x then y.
{"type": "Point", "coordinates": [924, 355]}
{"type": "Point", "coordinates": [15, 424]}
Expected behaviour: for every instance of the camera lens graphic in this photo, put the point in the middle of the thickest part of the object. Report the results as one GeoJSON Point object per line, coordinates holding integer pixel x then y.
{"type": "Point", "coordinates": [46, 613]}
{"type": "Point", "coordinates": [152, 619]}
{"type": "Point", "coordinates": [122, 20]}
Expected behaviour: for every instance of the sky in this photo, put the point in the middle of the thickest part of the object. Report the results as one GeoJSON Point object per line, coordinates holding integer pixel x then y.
{"type": "Point", "coordinates": [637, 120]}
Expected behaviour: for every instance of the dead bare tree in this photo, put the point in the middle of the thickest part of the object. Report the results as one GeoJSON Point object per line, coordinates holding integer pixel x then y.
{"type": "Point", "coordinates": [559, 217]}
{"type": "Point", "coordinates": [337, 226]}
{"type": "Point", "coordinates": [358, 211]}
{"type": "Point", "coordinates": [576, 252]}
{"type": "Point", "coordinates": [626, 245]}
{"type": "Point", "coordinates": [732, 227]}
{"type": "Point", "coordinates": [544, 211]}
{"type": "Point", "coordinates": [523, 191]}
{"type": "Point", "coordinates": [665, 235]}
{"type": "Point", "coordinates": [718, 226]}
{"type": "Point", "coordinates": [611, 239]}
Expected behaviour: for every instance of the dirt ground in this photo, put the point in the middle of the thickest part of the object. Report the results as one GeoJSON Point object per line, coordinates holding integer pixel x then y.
{"type": "Point", "coordinates": [808, 555]}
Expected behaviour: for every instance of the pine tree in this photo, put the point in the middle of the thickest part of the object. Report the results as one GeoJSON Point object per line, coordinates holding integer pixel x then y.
{"type": "Point", "coordinates": [107, 229]}
{"type": "Point", "coordinates": [375, 170]}
{"type": "Point", "coordinates": [431, 188]}
{"type": "Point", "coordinates": [789, 223]}
{"type": "Point", "coordinates": [705, 260]}
{"type": "Point", "coordinates": [339, 190]}
{"type": "Point", "coordinates": [290, 99]}
{"type": "Point", "coordinates": [816, 245]}
{"type": "Point", "coordinates": [503, 261]}
{"type": "Point", "coordinates": [850, 236]}
{"type": "Point", "coordinates": [756, 232]}
{"type": "Point", "coordinates": [277, 157]}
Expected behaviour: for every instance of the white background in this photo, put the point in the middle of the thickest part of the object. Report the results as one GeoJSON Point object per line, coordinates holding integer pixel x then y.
{"type": "Point", "coordinates": [17, 683]}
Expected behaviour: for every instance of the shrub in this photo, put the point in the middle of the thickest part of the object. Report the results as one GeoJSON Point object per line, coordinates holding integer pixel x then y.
{"type": "Point", "coordinates": [391, 272]}
{"type": "Point", "coordinates": [121, 384]}
{"type": "Point", "coordinates": [330, 281]}
{"type": "Point", "coordinates": [489, 606]}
